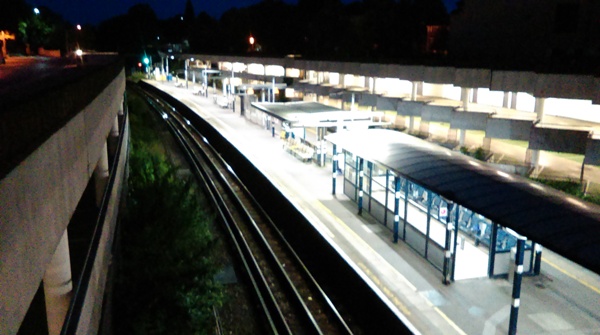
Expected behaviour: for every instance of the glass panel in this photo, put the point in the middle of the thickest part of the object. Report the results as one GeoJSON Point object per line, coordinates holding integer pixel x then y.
{"type": "Point", "coordinates": [505, 241]}
{"type": "Point", "coordinates": [350, 174]}
{"type": "Point", "coordinates": [378, 184]}
{"type": "Point", "coordinates": [349, 158]}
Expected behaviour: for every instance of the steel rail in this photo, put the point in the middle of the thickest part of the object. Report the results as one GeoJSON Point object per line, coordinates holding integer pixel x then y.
{"type": "Point", "coordinates": [254, 216]}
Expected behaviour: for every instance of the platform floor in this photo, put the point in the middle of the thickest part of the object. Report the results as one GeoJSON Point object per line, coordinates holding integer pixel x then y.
{"type": "Point", "coordinates": [564, 299]}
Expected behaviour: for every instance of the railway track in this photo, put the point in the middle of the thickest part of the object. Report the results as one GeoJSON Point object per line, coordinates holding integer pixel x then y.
{"type": "Point", "coordinates": [290, 299]}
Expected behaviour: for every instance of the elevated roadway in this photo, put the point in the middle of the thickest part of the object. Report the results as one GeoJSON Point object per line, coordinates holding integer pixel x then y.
{"type": "Point", "coordinates": [63, 150]}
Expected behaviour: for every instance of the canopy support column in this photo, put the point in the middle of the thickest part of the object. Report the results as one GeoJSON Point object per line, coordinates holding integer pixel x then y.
{"type": "Point", "coordinates": [396, 207]}
{"type": "Point", "coordinates": [334, 169]}
{"type": "Point", "coordinates": [516, 292]}
{"type": "Point", "coordinates": [360, 184]}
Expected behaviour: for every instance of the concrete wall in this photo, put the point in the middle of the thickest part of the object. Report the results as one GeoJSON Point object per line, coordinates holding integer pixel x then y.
{"type": "Point", "coordinates": [560, 140]}
{"type": "Point", "coordinates": [40, 195]}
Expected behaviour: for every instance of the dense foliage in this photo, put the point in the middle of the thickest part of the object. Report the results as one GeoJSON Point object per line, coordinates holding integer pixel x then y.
{"type": "Point", "coordinates": [570, 187]}
{"type": "Point", "coordinates": [375, 30]}
{"type": "Point", "coordinates": [165, 278]}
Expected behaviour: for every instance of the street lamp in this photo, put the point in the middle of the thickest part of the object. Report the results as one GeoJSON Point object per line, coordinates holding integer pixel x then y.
{"type": "Point", "coordinates": [187, 64]}
{"type": "Point", "coordinates": [251, 40]}
{"type": "Point", "coordinates": [36, 11]}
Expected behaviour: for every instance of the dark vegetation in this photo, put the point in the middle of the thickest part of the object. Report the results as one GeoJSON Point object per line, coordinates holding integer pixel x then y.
{"type": "Point", "coordinates": [166, 266]}
{"type": "Point", "coordinates": [571, 187]}
{"type": "Point", "coordinates": [368, 30]}
{"type": "Point", "coordinates": [419, 32]}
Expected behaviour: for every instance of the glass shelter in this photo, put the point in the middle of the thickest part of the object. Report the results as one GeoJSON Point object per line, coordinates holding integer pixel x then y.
{"type": "Point", "coordinates": [459, 242]}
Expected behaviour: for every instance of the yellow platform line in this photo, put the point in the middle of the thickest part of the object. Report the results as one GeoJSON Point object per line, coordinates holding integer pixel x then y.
{"type": "Point", "coordinates": [565, 272]}
{"type": "Point", "coordinates": [395, 300]}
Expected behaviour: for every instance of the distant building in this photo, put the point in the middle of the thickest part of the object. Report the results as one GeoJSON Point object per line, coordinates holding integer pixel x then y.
{"type": "Point", "coordinates": [551, 35]}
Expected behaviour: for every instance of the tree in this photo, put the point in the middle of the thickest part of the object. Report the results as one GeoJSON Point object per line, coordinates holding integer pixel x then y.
{"type": "Point", "coordinates": [12, 12]}
{"type": "Point", "coordinates": [34, 32]}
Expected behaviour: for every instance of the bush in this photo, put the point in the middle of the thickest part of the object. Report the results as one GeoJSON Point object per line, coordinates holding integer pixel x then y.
{"type": "Point", "coordinates": [165, 278]}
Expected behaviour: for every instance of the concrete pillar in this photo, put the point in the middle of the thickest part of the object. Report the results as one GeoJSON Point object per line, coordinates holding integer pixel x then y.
{"type": "Point", "coordinates": [506, 99]}
{"type": "Point", "coordinates": [114, 130]}
{"type": "Point", "coordinates": [372, 84]}
{"type": "Point", "coordinates": [101, 175]}
{"type": "Point", "coordinates": [465, 93]}
{"type": "Point", "coordinates": [58, 286]}
{"type": "Point", "coordinates": [539, 112]}
{"type": "Point", "coordinates": [413, 92]}
{"type": "Point", "coordinates": [121, 107]}
{"type": "Point", "coordinates": [474, 97]}
{"type": "Point", "coordinates": [513, 100]}
{"type": "Point", "coordinates": [342, 82]}
{"type": "Point", "coordinates": [539, 108]}
{"type": "Point", "coordinates": [113, 138]}
{"type": "Point", "coordinates": [534, 160]}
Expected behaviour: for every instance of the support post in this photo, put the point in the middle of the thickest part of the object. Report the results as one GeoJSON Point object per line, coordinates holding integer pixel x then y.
{"type": "Point", "coordinates": [447, 253]}
{"type": "Point", "coordinates": [516, 292]}
{"type": "Point", "coordinates": [464, 96]}
{"type": "Point", "coordinates": [413, 92]}
{"type": "Point", "coordinates": [492, 254]}
{"type": "Point", "coordinates": [539, 108]}
{"type": "Point", "coordinates": [186, 63]}
{"type": "Point", "coordinates": [537, 265]}
{"type": "Point", "coordinates": [506, 99]}
{"type": "Point", "coordinates": [406, 182]}
{"type": "Point", "coordinates": [396, 207]}
{"type": "Point", "coordinates": [360, 184]}
{"type": "Point", "coordinates": [429, 202]}
{"type": "Point", "coordinates": [455, 241]}
{"type": "Point", "coordinates": [101, 175]}
{"type": "Point", "coordinates": [334, 169]}
{"type": "Point", "coordinates": [58, 286]}
{"type": "Point", "coordinates": [513, 100]}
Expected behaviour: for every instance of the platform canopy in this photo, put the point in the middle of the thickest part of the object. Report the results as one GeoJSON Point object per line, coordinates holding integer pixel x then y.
{"type": "Point", "coordinates": [314, 114]}
{"type": "Point", "coordinates": [562, 223]}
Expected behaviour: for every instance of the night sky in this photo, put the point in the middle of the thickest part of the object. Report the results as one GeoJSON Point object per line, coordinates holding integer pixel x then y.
{"type": "Point", "coordinates": [95, 11]}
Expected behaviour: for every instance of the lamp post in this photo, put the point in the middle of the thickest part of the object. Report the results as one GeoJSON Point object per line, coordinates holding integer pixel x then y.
{"type": "Point", "coordinates": [187, 65]}
{"type": "Point", "coordinates": [251, 40]}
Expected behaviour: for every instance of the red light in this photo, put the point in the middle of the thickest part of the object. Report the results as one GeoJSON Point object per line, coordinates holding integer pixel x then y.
{"type": "Point", "coordinates": [139, 64]}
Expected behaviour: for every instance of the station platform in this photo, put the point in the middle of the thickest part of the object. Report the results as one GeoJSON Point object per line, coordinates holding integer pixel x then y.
{"type": "Point", "coordinates": [563, 299]}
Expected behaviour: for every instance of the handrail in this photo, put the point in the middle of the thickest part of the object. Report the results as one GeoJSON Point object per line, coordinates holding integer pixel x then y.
{"type": "Point", "coordinates": [71, 322]}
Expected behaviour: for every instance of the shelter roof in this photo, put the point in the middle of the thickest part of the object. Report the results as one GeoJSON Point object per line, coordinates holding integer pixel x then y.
{"type": "Point", "coordinates": [562, 223]}
{"type": "Point", "coordinates": [314, 114]}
